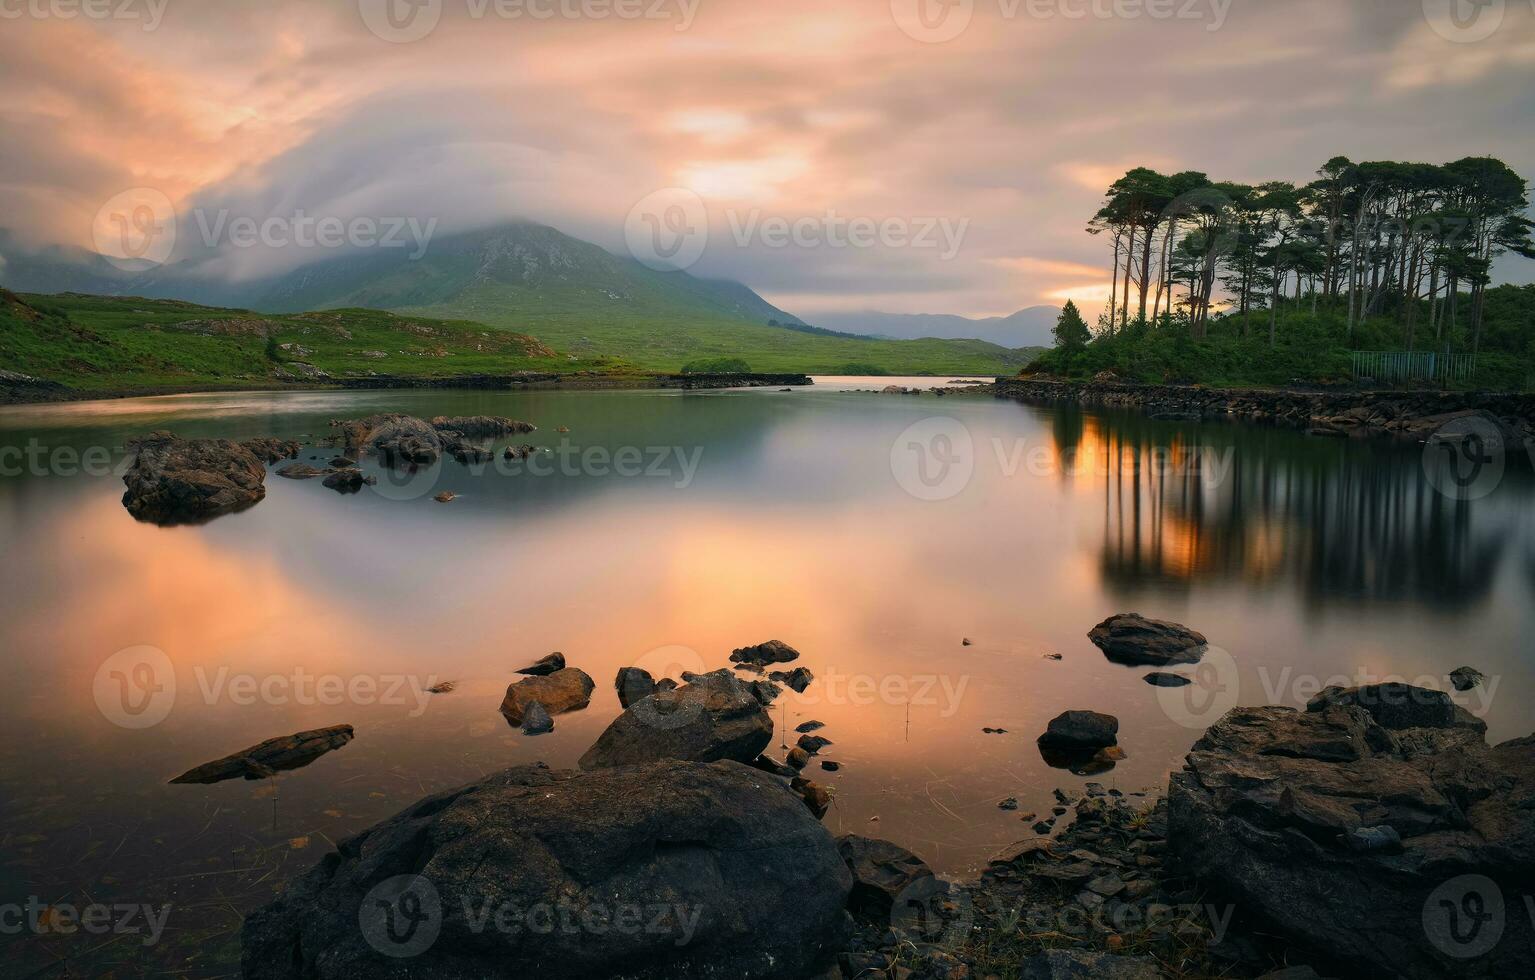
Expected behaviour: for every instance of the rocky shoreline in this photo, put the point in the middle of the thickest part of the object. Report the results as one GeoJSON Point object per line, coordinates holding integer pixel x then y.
{"type": "Point", "coordinates": [1407, 415]}
{"type": "Point", "coordinates": [1366, 835]}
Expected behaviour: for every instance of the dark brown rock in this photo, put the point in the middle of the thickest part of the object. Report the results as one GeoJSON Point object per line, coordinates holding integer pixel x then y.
{"type": "Point", "coordinates": [274, 755]}
{"type": "Point", "coordinates": [771, 652]}
{"type": "Point", "coordinates": [633, 683]}
{"type": "Point", "coordinates": [1080, 730]}
{"type": "Point", "coordinates": [715, 716]}
{"type": "Point", "coordinates": [1130, 638]}
{"type": "Point", "coordinates": [564, 690]}
{"type": "Point", "coordinates": [881, 872]}
{"type": "Point", "coordinates": [189, 481]}
{"type": "Point", "coordinates": [544, 665]}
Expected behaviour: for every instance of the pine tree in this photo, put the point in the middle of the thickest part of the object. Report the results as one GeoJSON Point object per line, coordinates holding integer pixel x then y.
{"type": "Point", "coordinates": [1071, 331]}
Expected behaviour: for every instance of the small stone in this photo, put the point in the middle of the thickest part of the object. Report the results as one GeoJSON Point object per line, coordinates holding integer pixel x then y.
{"type": "Point", "coordinates": [1464, 678]}
{"type": "Point", "coordinates": [1011, 803]}
{"type": "Point", "coordinates": [1161, 678]}
{"type": "Point", "coordinates": [1044, 826]}
{"type": "Point", "coordinates": [830, 766]}
{"type": "Point", "coordinates": [1052, 656]}
{"type": "Point", "coordinates": [445, 496]}
{"type": "Point", "coordinates": [808, 726]}
{"type": "Point", "coordinates": [965, 642]}
{"type": "Point", "coordinates": [798, 758]}
{"type": "Point", "coordinates": [1108, 886]}
{"type": "Point", "coordinates": [536, 720]}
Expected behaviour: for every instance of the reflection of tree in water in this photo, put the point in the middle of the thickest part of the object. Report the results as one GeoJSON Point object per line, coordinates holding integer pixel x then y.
{"type": "Point", "coordinates": [1346, 521]}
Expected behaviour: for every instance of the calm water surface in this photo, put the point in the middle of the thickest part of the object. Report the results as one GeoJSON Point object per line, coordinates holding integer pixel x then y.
{"type": "Point", "coordinates": [872, 532]}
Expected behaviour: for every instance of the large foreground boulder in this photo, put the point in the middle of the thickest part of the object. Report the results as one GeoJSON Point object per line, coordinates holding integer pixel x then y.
{"type": "Point", "coordinates": [715, 716]}
{"type": "Point", "coordinates": [1376, 828]}
{"type": "Point", "coordinates": [1134, 640]}
{"type": "Point", "coordinates": [671, 870]}
{"type": "Point", "coordinates": [188, 481]}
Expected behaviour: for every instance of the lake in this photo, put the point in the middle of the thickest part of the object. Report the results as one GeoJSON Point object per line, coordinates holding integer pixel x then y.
{"type": "Point", "coordinates": [875, 533]}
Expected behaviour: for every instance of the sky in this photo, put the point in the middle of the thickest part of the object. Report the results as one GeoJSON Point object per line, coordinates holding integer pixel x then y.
{"type": "Point", "coordinates": [937, 156]}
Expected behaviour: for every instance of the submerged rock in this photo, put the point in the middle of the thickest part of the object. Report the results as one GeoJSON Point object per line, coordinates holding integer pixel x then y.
{"type": "Point", "coordinates": [564, 690]}
{"type": "Point", "coordinates": [1132, 639]}
{"type": "Point", "coordinates": [1161, 678]}
{"type": "Point", "coordinates": [713, 717]}
{"type": "Point", "coordinates": [446, 497]}
{"type": "Point", "coordinates": [1080, 730]}
{"type": "Point", "coordinates": [689, 871]}
{"type": "Point", "coordinates": [544, 665]}
{"type": "Point", "coordinates": [1372, 828]}
{"type": "Point", "coordinates": [300, 471]}
{"type": "Point", "coordinates": [274, 755]}
{"type": "Point", "coordinates": [771, 652]}
{"type": "Point", "coordinates": [188, 481]}
{"type": "Point", "coordinates": [270, 450]}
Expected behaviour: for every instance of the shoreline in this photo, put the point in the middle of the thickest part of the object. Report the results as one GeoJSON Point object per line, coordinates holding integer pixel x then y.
{"type": "Point", "coordinates": [25, 390]}
{"type": "Point", "coordinates": [1403, 415]}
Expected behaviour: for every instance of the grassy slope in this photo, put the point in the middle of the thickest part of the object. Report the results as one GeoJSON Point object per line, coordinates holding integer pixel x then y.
{"type": "Point", "coordinates": [108, 343]}
{"type": "Point", "coordinates": [96, 343]}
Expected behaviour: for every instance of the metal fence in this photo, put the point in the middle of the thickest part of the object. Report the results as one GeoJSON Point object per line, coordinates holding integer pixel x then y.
{"type": "Point", "coordinates": [1404, 366]}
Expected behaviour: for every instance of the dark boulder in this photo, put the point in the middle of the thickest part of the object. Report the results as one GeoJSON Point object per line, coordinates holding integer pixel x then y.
{"type": "Point", "coordinates": [771, 652]}
{"type": "Point", "coordinates": [1161, 678]}
{"type": "Point", "coordinates": [564, 690]}
{"type": "Point", "coordinates": [1080, 730]}
{"type": "Point", "coordinates": [189, 481]}
{"type": "Point", "coordinates": [715, 716]}
{"type": "Point", "coordinates": [274, 755]}
{"type": "Point", "coordinates": [1361, 827]}
{"type": "Point", "coordinates": [668, 870]}
{"type": "Point", "coordinates": [881, 872]}
{"type": "Point", "coordinates": [348, 479]}
{"type": "Point", "coordinates": [536, 720]}
{"type": "Point", "coordinates": [1132, 639]}
{"type": "Point", "coordinates": [398, 440]}
{"type": "Point", "coordinates": [1465, 678]}
{"type": "Point", "coordinates": [633, 683]}
{"type": "Point", "coordinates": [544, 665]}
{"type": "Point", "coordinates": [797, 679]}
{"type": "Point", "coordinates": [270, 450]}
{"type": "Point", "coordinates": [813, 743]}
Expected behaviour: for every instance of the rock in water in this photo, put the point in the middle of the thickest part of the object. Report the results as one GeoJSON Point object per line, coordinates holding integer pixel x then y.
{"type": "Point", "coordinates": [813, 743]}
{"type": "Point", "coordinates": [633, 683]}
{"type": "Point", "coordinates": [1080, 730]}
{"type": "Point", "coordinates": [1359, 827]}
{"type": "Point", "coordinates": [1132, 639]}
{"type": "Point", "coordinates": [798, 679]}
{"type": "Point", "coordinates": [713, 717]}
{"type": "Point", "coordinates": [816, 796]}
{"type": "Point", "coordinates": [398, 440]}
{"type": "Point", "coordinates": [1161, 678]}
{"type": "Point", "coordinates": [1465, 678]}
{"type": "Point", "coordinates": [564, 690]}
{"type": "Point", "coordinates": [270, 450]}
{"type": "Point", "coordinates": [273, 755]}
{"type": "Point", "coordinates": [188, 481]}
{"type": "Point", "coordinates": [300, 471]}
{"type": "Point", "coordinates": [693, 871]}
{"type": "Point", "coordinates": [348, 480]}
{"type": "Point", "coordinates": [544, 665]}
{"type": "Point", "coordinates": [536, 720]}
{"type": "Point", "coordinates": [771, 652]}
{"type": "Point", "coordinates": [481, 426]}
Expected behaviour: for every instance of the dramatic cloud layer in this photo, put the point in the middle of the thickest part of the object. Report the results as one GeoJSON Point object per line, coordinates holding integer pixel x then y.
{"type": "Point", "coordinates": [997, 140]}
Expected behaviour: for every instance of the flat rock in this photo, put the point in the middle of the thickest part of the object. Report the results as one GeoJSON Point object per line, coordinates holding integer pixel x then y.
{"type": "Point", "coordinates": [1132, 639]}
{"type": "Point", "coordinates": [564, 690]}
{"type": "Point", "coordinates": [544, 665]}
{"type": "Point", "coordinates": [771, 652]}
{"type": "Point", "coordinates": [481, 426]}
{"type": "Point", "coordinates": [715, 716]}
{"type": "Point", "coordinates": [189, 481]}
{"type": "Point", "coordinates": [274, 755]}
{"type": "Point", "coordinates": [1292, 814]}
{"type": "Point", "coordinates": [300, 471]}
{"type": "Point", "coordinates": [717, 871]}
{"type": "Point", "coordinates": [1161, 678]}
{"type": "Point", "coordinates": [809, 726]}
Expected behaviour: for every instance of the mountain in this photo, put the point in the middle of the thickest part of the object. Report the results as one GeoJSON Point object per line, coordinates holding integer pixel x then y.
{"type": "Point", "coordinates": [1029, 327]}
{"type": "Point", "coordinates": [592, 306]}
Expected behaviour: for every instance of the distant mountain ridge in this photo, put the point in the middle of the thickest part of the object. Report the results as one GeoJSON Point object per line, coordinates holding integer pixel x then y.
{"type": "Point", "coordinates": [1029, 327]}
